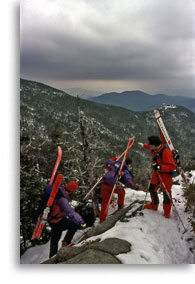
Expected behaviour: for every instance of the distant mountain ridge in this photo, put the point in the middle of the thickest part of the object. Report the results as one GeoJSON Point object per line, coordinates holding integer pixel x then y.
{"type": "Point", "coordinates": [140, 101]}
{"type": "Point", "coordinates": [42, 107]}
{"type": "Point", "coordinates": [82, 93]}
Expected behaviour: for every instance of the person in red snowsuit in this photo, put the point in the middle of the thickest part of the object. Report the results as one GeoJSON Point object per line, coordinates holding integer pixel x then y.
{"type": "Point", "coordinates": [109, 180]}
{"type": "Point", "coordinates": [162, 165]}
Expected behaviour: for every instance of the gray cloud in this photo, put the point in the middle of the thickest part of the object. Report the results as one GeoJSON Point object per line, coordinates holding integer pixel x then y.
{"type": "Point", "coordinates": [151, 40]}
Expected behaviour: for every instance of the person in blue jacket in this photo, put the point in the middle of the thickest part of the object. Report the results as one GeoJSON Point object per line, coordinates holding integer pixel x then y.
{"type": "Point", "coordinates": [109, 180]}
{"type": "Point", "coordinates": [63, 217]}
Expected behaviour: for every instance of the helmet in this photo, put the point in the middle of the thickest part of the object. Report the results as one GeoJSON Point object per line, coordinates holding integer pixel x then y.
{"type": "Point", "coordinates": [72, 186]}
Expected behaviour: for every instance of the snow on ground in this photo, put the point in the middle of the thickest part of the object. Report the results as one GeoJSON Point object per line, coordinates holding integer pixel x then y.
{"type": "Point", "coordinates": [154, 239]}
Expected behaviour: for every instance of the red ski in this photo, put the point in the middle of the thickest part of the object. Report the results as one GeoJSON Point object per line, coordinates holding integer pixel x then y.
{"type": "Point", "coordinates": [99, 180]}
{"type": "Point", "coordinates": [38, 223]}
{"type": "Point", "coordinates": [56, 164]}
{"type": "Point", "coordinates": [129, 145]}
{"type": "Point", "coordinates": [43, 218]}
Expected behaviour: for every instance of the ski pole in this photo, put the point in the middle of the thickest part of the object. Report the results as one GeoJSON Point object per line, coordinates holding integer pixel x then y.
{"type": "Point", "coordinates": [112, 193]}
{"type": "Point", "coordinates": [144, 200]}
{"type": "Point", "coordinates": [80, 238]}
{"type": "Point", "coordinates": [99, 180]}
{"type": "Point", "coordinates": [163, 184]}
{"type": "Point", "coordinates": [146, 192]}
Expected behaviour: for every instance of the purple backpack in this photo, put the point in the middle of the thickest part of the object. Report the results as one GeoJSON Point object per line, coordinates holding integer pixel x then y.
{"type": "Point", "coordinates": [112, 171]}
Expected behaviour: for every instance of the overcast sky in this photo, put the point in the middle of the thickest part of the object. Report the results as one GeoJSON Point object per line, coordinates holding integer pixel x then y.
{"type": "Point", "coordinates": [110, 45]}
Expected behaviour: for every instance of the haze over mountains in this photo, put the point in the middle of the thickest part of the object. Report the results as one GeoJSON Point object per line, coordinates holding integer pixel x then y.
{"type": "Point", "coordinates": [82, 93]}
{"type": "Point", "coordinates": [140, 101]}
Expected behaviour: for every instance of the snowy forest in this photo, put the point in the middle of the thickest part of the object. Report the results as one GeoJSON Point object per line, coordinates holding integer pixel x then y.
{"type": "Point", "coordinates": [89, 134]}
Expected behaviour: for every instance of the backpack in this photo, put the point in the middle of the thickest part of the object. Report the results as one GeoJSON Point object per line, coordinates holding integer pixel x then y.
{"type": "Point", "coordinates": [44, 199]}
{"type": "Point", "coordinates": [175, 157]}
{"type": "Point", "coordinates": [112, 171]}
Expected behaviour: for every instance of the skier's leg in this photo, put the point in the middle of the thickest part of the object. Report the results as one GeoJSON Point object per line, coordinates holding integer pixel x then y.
{"type": "Point", "coordinates": [105, 195]}
{"type": "Point", "coordinates": [121, 197]}
{"type": "Point", "coordinates": [72, 228]}
{"type": "Point", "coordinates": [154, 197]}
{"type": "Point", "coordinates": [167, 196]}
{"type": "Point", "coordinates": [55, 237]}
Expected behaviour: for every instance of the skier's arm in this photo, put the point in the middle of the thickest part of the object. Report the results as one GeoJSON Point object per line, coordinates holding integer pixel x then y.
{"type": "Point", "coordinates": [127, 180]}
{"type": "Point", "coordinates": [147, 146]}
{"type": "Point", "coordinates": [69, 211]}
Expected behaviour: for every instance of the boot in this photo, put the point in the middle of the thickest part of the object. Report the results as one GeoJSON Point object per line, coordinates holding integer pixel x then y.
{"type": "Point", "coordinates": [151, 206]}
{"type": "Point", "coordinates": [120, 206]}
{"type": "Point", "coordinates": [167, 209]}
{"type": "Point", "coordinates": [65, 244]}
{"type": "Point", "coordinates": [101, 216]}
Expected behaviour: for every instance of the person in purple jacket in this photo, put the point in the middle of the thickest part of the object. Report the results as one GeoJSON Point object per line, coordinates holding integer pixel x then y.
{"type": "Point", "coordinates": [63, 217]}
{"type": "Point", "coordinates": [109, 180]}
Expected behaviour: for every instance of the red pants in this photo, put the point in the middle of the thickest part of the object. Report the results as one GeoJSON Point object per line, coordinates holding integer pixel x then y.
{"type": "Point", "coordinates": [166, 178]}
{"type": "Point", "coordinates": [105, 193]}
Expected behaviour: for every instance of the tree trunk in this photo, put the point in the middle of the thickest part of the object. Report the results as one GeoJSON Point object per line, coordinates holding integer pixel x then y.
{"type": "Point", "coordinates": [87, 158]}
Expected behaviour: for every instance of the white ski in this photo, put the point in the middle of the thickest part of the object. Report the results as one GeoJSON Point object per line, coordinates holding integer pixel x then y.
{"type": "Point", "coordinates": [163, 129]}
{"type": "Point", "coordinates": [168, 140]}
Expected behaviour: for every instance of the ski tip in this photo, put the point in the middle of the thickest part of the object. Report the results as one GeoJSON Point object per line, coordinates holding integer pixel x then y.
{"type": "Point", "coordinates": [59, 177]}
{"type": "Point", "coordinates": [59, 152]}
{"type": "Point", "coordinates": [156, 112]}
{"type": "Point", "coordinates": [59, 149]}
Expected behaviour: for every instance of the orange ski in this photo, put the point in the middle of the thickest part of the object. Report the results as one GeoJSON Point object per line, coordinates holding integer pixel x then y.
{"type": "Point", "coordinates": [43, 218]}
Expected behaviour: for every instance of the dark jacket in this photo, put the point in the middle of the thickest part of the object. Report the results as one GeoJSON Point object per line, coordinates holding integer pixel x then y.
{"type": "Point", "coordinates": [62, 208]}
{"type": "Point", "coordinates": [111, 175]}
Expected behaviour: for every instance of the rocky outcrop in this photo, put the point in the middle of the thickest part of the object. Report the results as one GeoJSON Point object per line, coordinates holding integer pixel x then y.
{"type": "Point", "coordinates": [96, 251]}
{"type": "Point", "coordinates": [111, 220]}
{"type": "Point", "coordinates": [93, 256]}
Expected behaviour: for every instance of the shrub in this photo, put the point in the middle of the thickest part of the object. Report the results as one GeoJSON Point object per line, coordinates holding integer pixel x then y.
{"type": "Point", "coordinates": [189, 194]}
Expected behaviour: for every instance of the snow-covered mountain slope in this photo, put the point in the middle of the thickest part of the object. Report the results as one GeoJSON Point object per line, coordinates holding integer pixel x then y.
{"type": "Point", "coordinates": [154, 239]}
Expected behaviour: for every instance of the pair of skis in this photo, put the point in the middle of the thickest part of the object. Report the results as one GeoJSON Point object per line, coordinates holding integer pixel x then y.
{"type": "Point", "coordinates": [100, 179]}
{"type": "Point", "coordinates": [129, 145]}
{"type": "Point", "coordinates": [43, 218]}
{"type": "Point", "coordinates": [165, 134]}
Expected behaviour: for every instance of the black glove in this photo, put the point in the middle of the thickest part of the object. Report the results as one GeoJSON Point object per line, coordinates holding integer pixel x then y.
{"type": "Point", "coordinates": [176, 157]}
{"type": "Point", "coordinates": [156, 157]}
{"type": "Point", "coordinates": [156, 167]}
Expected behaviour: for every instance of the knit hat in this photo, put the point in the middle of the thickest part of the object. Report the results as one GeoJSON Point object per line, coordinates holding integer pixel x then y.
{"type": "Point", "coordinates": [72, 186]}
